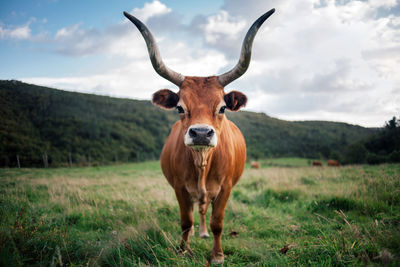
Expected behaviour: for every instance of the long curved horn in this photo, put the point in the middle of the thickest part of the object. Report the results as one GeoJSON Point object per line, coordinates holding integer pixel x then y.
{"type": "Point", "coordinates": [154, 54]}
{"type": "Point", "coordinates": [245, 55]}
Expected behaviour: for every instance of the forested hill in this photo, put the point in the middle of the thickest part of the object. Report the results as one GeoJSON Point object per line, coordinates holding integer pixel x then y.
{"type": "Point", "coordinates": [43, 125]}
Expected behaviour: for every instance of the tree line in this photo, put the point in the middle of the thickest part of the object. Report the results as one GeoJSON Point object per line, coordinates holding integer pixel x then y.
{"type": "Point", "coordinates": [382, 147]}
{"type": "Point", "coordinates": [42, 126]}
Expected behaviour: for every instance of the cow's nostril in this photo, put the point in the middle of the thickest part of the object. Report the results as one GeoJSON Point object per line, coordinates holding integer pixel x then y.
{"type": "Point", "coordinates": [200, 135]}
{"type": "Point", "coordinates": [210, 133]}
{"type": "Point", "coordinates": [192, 133]}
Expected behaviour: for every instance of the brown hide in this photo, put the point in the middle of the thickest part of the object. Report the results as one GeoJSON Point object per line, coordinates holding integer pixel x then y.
{"type": "Point", "coordinates": [316, 163]}
{"type": "Point", "coordinates": [225, 162]}
{"type": "Point", "coordinates": [255, 165]}
{"type": "Point", "coordinates": [333, 163]}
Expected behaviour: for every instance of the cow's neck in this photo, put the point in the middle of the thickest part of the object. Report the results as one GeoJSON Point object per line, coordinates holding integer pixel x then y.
{"type": "Point", "coordinates": [202, 160]}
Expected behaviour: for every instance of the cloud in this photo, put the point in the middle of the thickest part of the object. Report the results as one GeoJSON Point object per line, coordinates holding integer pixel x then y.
{"type": "Point", "coordinates": [383, 46]}
{"type": "Point", "coordinates": [67, 32]}
{"type": "Point", "coordinates": [118, 39]}
{"type": "Point", "coordinates": [382, 3]}
{"type": "Point", "coordinates": [17, 33]}
{"type": "Point", "coordinates": [222, 28]}
{"type": "Point", "coordinates": [23, 32]}
{"type": "Point", "coordinates": [149, 10]}
{"type": "Point", "coordinates": [75, 41]}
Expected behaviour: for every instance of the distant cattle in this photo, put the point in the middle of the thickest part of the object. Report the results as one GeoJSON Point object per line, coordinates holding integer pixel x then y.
{"type": "Point", "coordinates": [333, 163]}
{"type": "Point", "coordinates": [205, 153]}
{"type": "Point", "coordinates": [255, 165]}
{"type": "Point", "coordinates": [316, 163]}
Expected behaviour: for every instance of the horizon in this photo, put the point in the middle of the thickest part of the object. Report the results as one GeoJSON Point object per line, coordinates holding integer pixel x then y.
{"type": "Point", "coordinates": [149, 100]}
{"type": "Point", "coordinates": [312, 60]}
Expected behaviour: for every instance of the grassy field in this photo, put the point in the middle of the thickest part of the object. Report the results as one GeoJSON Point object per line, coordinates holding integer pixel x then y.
{"type": "Point", "coordinates": [288, 162]}
{"type": "Point", "coordinates": [127, 215]}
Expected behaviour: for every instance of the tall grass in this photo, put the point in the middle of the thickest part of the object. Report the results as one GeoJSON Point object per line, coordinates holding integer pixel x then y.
{"type": "Point", "coordinates": [127, 215]}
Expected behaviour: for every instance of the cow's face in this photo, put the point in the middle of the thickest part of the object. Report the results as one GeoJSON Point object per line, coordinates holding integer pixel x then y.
{"type": "Point", "coordinates": [201, 104]}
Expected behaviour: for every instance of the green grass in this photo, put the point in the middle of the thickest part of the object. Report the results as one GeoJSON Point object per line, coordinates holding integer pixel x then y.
{"type": "Point", "coordinates": [128, 215]}
{"type": "Point", "coordinates": [287, 162]}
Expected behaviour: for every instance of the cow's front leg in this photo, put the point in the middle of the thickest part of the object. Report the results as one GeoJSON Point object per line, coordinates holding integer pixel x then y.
{"type": "Point", "coordinates": [217, 217]}
{"type": "Point", "coordinates": [203, 233]}
{"type": "Point", "coordinates": [186, 211]}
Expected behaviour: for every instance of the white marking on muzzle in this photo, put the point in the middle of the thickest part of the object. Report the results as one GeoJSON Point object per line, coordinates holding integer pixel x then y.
{"type": "Point", "coordinates": [212, 141]}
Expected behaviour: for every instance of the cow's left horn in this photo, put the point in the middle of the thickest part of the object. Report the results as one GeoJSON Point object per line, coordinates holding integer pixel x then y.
{"type": "Point", "coordinates": [245, 55]}
{"type": "Point", "coordinates": [154, 54]}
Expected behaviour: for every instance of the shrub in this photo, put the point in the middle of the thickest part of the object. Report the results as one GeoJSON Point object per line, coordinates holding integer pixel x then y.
{"type": "Point", "coordinates": [356, 153]}
{"type": "Point", "coordinates": [335, 155]}
{"type": "Point", "coordinates": [373, 158]}
{"type": "Point", "coordinates": [395, 156]}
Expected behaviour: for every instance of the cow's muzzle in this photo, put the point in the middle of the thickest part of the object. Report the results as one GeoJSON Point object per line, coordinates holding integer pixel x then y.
{"type": "Point", "coordinates": [200, 135]}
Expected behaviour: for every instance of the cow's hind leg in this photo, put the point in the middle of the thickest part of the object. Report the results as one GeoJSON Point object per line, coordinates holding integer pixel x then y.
{"type": "Point", "coordinates": [217, 217]}
{"type": "Point", "coordinates": [186, 211]}
{"type": "Point", "coordinates": [203, 233]}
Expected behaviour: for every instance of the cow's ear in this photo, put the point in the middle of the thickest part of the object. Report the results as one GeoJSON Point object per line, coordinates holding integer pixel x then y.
{"type": "Point", "coordinates": [165, 98]}
{"type": "Point", "coordinates": [235, 100]}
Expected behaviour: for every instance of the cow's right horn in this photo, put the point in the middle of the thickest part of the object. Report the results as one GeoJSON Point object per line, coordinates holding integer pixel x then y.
{"type": "Point", "coordinates": [245, 55]}
{"type": "Point", "coordinates": [154, 54]}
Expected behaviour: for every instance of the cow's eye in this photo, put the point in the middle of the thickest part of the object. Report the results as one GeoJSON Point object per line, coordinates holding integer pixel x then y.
{"type": "Point", "coordinates": [180, 110]}
{"type": "Point", "coordinates": [222, 110]}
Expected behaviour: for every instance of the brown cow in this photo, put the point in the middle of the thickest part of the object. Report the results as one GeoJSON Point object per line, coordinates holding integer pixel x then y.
{"type": "Point", "coordinates": [255, 165]}
{"type": "Point", "coordinates": [205, 153]}
{"type": "Point", "coordinates": [316, 163]}
{"type": "Point", "coordinates": [333, 163]}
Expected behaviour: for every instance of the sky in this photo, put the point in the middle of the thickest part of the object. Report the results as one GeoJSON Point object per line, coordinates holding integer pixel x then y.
{"type": "Point", "coordinates": [334, 60]}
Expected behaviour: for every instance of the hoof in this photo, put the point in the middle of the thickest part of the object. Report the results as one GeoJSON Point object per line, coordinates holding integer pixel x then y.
{"type": "Point", "coordinates": [204, 235]}
{"type": "Point", "coordinates": [217, 259]}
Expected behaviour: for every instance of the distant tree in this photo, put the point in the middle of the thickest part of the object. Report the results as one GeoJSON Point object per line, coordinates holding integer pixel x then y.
{"type": "Point", "coordinates": [392, 124]}
{"type": "Point", "coordinates": [335, 155]}
{"type": "Point", "coordinates": [356, 154]}
{"type": "Point", "coordinates": [395, 156]}
{"type": "Point", "coordinates": [343, 139]}
{"type": "Point", "coordinates": [325, 150]}
{"type": "Point", "coordinates": [373, 158]}
{"type": "Point", "coordinates": [387, 140]}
